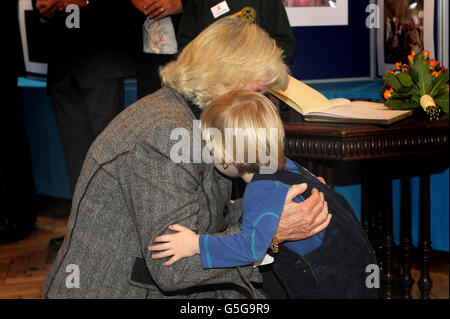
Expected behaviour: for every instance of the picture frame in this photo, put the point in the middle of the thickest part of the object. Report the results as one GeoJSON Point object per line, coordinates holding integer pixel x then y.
{"type": "Point", "coordinates": [398, 34]}
{"type": "Point", "coordinates": [306, 13]}
{"type": "Point", "coordinates": [33, 49]}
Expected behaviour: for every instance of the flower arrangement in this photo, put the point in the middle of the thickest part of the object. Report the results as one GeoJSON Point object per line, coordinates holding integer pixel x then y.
{"type": "Point", "coordinates": [420, 84]}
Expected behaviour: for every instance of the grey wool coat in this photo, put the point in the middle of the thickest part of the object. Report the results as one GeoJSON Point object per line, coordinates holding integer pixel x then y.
{"type": "Point", "coordinates": [129, 192]}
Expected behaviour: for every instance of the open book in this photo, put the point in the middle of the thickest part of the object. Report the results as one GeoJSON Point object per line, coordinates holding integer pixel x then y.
{"type": "Point", "coordinates": [316, 107]}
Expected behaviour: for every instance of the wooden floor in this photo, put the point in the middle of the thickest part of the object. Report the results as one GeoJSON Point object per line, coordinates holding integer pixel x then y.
{"type": "Point", "coordinates": [24, 265]}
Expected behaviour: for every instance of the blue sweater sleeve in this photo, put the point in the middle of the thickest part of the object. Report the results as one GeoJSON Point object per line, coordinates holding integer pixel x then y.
{"type": "Point", "coordinates": [263, 203]}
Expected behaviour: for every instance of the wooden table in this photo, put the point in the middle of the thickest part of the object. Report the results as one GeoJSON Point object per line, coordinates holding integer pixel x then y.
{"type": "Point", "coordinates": [385, 151]}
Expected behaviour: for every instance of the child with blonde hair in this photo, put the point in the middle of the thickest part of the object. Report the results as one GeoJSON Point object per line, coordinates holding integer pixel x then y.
{"type": "Point", "coordinates": [331, 264]}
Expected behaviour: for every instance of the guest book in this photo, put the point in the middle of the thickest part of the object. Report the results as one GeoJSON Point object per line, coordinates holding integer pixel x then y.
{"type": "Point", "coordinates": [316, 107]}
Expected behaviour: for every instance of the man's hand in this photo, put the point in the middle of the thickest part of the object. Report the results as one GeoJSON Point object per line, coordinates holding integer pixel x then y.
{"type": "Point", "coordinates": [47, 8]}
{"type": "Point", "coordinates": [158, 9]}
{"type": "Point", "coordinates": [303, 220]}
{"type": "Point", "coordinates": [142, 5]}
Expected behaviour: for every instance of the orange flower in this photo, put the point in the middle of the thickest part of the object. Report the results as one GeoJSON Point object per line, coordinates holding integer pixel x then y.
{"type": "Point", "coordinates": [391, 72]}
{"type": "Point", "coordinates": [435, 73]}
{"type": "Point", "coordinates": [387, 94]}
{"type": "Point", "coordinates": [426, 53]}
{"type": "Point", "coordinates": [398, 66]}
{"type": "Point", "coordinates": [413, 53]}
{"type": "Point", "coordinates": [434, 63]}
{"type": "Point", "coordinates": [410, 58]}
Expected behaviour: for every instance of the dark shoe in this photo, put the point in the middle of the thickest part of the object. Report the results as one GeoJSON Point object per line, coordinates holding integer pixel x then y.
{"type": "Point", "coordinates": [13, 233]}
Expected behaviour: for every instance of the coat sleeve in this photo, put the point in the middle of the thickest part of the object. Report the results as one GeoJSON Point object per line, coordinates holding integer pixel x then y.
{"type": "Point", "coordinates": [159, 193]}
{"type": "Point", "coordinates": [263, 204]}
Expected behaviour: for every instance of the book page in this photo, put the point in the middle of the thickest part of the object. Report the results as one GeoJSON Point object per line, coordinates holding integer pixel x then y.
{"type": "Point", "coordinates": [302, 97]}
{"type": "Point", "coordinates": [369, 105]}
{"type": "Point", "coordinates": [339, 101]}
{"type": "Point", "coordinates": [360, 110]}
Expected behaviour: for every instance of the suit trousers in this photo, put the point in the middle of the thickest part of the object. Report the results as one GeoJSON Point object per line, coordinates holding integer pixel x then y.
{"type": "Point", "coordinates": [83, 105]}
{"type": "Point", "coordinates": [147, 72]}
{"type": "Point", "coordinates": [17, 189]}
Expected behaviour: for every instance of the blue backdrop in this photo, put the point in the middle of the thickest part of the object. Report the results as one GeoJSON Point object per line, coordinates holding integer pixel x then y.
{"type": "Point", "coordinates": [336, 51]}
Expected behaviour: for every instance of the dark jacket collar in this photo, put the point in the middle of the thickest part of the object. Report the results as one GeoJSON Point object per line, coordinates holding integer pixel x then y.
{"type": "Point", "coordinates": [194, 108]}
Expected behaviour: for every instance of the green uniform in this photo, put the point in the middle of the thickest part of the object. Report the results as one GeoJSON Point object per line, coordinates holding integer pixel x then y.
{"type": "Point", "coordinates": [268, 14]}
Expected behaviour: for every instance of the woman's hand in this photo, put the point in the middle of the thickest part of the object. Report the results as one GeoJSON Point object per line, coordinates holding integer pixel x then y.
{"type": "Point", "coordinates": [182, 244]}
{"type": "Point", "coordinates": [303, 220]}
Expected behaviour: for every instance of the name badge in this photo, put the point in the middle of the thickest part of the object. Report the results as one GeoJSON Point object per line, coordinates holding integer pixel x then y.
{"type": "Point", "coordinates": [220, 9]}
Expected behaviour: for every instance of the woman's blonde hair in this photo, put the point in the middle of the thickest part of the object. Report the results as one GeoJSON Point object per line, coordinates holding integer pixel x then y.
{"type": "Point", "coordinates": [254, 121]}
{"type": "Point", "coordinates": [227, 55]}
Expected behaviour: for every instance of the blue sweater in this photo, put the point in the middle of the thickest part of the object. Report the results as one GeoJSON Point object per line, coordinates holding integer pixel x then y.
{"type": "Point", "coordinates": [263, 203]}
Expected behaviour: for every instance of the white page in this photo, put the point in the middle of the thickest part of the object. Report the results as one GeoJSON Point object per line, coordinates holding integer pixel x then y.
{"type": "Point", "coordinates": [362, 110]}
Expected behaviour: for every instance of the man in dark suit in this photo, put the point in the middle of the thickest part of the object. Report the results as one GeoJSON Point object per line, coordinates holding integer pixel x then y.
{"type": "Point", "coordinates": [17, 189]}
{"type": "Point", "coordinates": [89, 59]}
{"type": "Point", "coordinates": [267, 14]}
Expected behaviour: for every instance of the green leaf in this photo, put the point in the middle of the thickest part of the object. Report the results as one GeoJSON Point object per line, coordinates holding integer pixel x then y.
{"type": "Point", "coordinates": [414, 75]}
{"type": "Point", "coordinates": [416, 99]}
{"type": "Point", "coordinates": [392, 80]}
{"type": "Point", "coordinates": [424, 80]}
{"type": "Point", "coordinates": [406, 92]}
{"type": "Point", "coordinates": [442, 101]}
{"type": "Point", "coordinates": [442, 90]}
{"type": "Point", "coordinates": [405, 79]}
{"type": "Point", "coordinates": [438, 83]}
{"type": "Point", "coordinates": [400, 104]}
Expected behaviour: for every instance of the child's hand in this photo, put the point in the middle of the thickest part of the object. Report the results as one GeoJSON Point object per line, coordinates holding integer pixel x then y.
{"type": "Point", "coordinates": [182, 244]}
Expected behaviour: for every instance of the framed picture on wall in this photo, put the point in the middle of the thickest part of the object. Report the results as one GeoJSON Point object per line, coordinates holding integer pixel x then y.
{"type": "Point", "coordinates": [406, 25]}
{"type": "Point", "coordinates": [305, 13]}
{"type": "Point", "coordinates": [34, 40]}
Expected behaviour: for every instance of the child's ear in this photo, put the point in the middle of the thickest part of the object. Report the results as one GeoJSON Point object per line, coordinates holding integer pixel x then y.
{"type": "Point", "coordinates": [226, 165]}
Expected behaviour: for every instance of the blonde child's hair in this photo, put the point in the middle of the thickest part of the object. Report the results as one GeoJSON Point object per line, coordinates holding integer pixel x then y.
{"type": "Point", "coordinates": [255, 115]}
{"type": "Point", "coordinates": [227, 55]}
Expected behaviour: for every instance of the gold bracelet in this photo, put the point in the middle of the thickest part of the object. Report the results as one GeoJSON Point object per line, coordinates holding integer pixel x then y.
{"type": "Point", "coordinates": [274, 244]}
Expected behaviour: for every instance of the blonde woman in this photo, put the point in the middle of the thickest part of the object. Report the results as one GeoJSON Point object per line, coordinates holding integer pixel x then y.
{"type": "Point", "coordinates": [130, 190]}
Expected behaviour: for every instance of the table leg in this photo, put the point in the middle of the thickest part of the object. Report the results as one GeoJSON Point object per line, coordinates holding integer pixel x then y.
{"type": "Point", "coordinates": [365, 199]}
{"type": "Point", "coordinates": [388, 239]}
{"type": "Point", "coordinates": [329, 173]}
{"type": "Point", "coordinates": [310, 166]}
{"type": "Point", "coordinates": [377, 203]}
{"type": "Point", "coordinates": [373, 212]}
{"type": "Point", "coordinates": [320, 168]}
{"type": "Point", "coordinates": [406, 242]}
{"type": "Point", "coordinates": [425, 282]}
